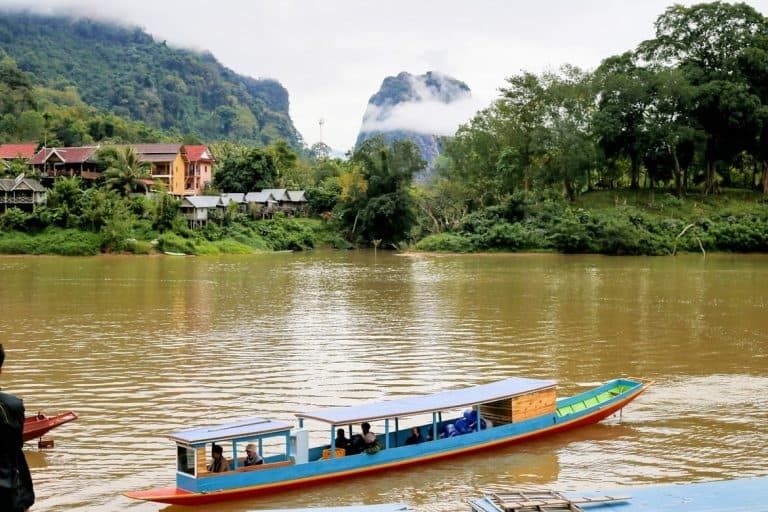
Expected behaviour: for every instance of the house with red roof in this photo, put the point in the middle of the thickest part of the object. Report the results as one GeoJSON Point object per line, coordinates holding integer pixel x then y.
{"type": "Point", "coordinates": [198, 167]}
{"type": "Point", "coordinates": [62, 162]}
{"type": "Point", "coordinates": [9, 152]}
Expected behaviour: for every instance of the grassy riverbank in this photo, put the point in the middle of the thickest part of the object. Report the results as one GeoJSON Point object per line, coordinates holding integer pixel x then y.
{"type": "Point", "coordinates": [606, 222]}
{"type": "Point", "coordinates": [248, 237]}
{"type": "Point", "coordinates": [615, 222]}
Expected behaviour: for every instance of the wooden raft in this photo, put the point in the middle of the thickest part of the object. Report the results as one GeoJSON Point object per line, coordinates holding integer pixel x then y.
{"type": "Point", "coordinates": [525, 501]}
{"type": "Point", "coordinates": [519, 408]}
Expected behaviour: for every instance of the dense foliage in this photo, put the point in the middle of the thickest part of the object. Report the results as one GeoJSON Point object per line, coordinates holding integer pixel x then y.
{"type": "Point", "coordinates": [125, 72]}
{"type": "Point", "coordinates": [659, 150]}
{"type": "Point", "coordinates": [688, 108]}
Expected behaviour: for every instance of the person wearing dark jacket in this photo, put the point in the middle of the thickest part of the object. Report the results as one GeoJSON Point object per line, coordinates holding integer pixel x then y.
{"type": "Point", "coordinates": [16, 491]}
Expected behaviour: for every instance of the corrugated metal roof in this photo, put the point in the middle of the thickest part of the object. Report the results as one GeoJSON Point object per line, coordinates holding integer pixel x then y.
{"type": "Point", "coordinates": [11, 151]}
{"type": "Point", "coordinates": [157, 157]}
{"type": "Point", "coordinates": [198, 153]}
{"type": "Point", "coordinates": [259, 197]}
{"type": "Point", "coordinates": [233, 197]}
{"type": "Point", "coordinates": [231, 430]}
{"type": "Point", "coordinates": [70, 155]}
{"type": "Point", "coordinates": [10, 184]}
{"type": "Point", "coordinates": [202, 201]}
{"type": "Point", "coordinates": [444, 400]}
{"type": "Point", "coordinates": [296, 196]}
{"type": "Point", "coordinates": [148, 149]}
{"type": "Point", "coordinates": [278, 193]}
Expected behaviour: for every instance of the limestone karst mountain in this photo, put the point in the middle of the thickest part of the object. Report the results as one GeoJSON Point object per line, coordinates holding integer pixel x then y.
{"type": "Point", "coordinates": [419, 108]}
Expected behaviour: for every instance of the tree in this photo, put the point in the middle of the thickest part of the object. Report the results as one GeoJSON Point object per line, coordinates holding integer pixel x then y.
{"type": "Point", "coordinates": [381, 201]}
{"type": "Point", "coordinates": [568, 156]}
{"type": "Point", "coordinates": [668, 121]}
{"type": "Point", "coordinates": [623, 95]}
{"type": "Point", "coordinates": [703, 39]}
{"type": "Point", "coordinates": [63, 205]}
{"type": "Point", "coordinates": [708, 43]}
{"type": "Point", "coordinates": [522, 110]}
{"type": "Point", "coordinates": [245, 170]}
{"type": "Point", "coordinates": [124, 170]}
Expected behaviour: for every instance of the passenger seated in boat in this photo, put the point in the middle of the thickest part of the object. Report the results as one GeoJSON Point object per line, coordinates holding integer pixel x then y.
{"type": "Point", "coordinates": [369, 438]}
{"type": "Point", "coordinates": [219, 464]}
{"type": "Point", "coordinates": [371, 444]}
{"type": "Point", "coordinates": [252, 457]}
{"type": "Point", "coordinates": [415, 437]}
{"type": "Point", "coordinates": [341, 439]}
{"type": "Point", "coordinates": [356, 445]}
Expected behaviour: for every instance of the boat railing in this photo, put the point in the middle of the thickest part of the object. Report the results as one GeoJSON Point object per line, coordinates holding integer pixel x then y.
{"type": "Point", "coordinates": [259, 467]}
{"type": "Point", "coordinates": [243, 469]}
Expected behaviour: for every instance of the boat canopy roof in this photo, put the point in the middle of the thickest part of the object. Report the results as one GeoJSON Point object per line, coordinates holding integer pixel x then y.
{"type": "Point", "coordinates": [428, 403]}
{"type": "Point", "coordinates": [248, 427]}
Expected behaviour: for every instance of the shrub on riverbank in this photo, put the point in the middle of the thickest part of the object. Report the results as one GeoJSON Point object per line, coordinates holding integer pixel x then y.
{"type": "Point", "coordinates": [63, 242]}
{"type": "Point", "coordinates": [614, 223]}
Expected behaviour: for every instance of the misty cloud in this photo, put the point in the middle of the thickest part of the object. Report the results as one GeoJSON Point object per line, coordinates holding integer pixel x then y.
{"type": "Point", "coordinates": [431, 117]}
{"type": "Point", "coordinates": [434, 104]}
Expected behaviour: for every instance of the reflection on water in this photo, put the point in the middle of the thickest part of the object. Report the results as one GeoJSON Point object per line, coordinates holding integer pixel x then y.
{"type": "Point", "coordinates": [141, 347]}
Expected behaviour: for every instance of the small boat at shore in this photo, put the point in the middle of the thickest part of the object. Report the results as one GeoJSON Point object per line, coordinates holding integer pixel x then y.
{"type": "Point", "coordinates": [503, 412]}
{"type": "Point", "coordinates": [40, 424]}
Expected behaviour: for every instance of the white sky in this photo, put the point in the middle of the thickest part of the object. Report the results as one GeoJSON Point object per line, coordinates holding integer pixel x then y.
{"type": "Point", "coordinates": [332, 55]}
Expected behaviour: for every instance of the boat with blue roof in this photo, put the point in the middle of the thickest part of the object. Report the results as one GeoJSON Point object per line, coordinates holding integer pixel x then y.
{"type": "Point", "coordinates": [451, 423]}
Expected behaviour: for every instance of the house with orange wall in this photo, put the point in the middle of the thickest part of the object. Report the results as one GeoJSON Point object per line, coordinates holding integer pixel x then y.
{"type": "Point", "coordinates": [166, 164]}
{"type": "Point", "coordinates": [183, 170]}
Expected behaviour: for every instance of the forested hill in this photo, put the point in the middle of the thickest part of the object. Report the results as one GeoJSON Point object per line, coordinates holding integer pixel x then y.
{"type": "Point", "coordinates": [125, 71]}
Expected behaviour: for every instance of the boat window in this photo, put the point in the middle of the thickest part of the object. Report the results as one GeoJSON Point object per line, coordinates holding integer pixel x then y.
{"type": "Point", "coordinates": [273, 448]}
{"type": "Point", "coordinates": [186, 459]}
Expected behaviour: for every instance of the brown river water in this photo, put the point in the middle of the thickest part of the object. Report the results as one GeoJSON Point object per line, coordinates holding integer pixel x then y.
{"type": "Point", "coordinates": [140, 347]}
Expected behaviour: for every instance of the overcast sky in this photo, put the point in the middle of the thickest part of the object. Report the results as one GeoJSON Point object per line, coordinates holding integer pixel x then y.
{"type": "Point", "coordinates": [332, 55]}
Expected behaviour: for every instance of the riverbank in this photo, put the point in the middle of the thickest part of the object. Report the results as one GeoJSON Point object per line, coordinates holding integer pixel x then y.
{"type": "Point", "coordinates": [620, 222]}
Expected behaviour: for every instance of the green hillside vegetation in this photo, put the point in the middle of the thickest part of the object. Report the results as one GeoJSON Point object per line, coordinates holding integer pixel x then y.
{"type": "Point", "coordinates": [125, 72]}
{"type": "Point", "coordinates": [58, 117]}
{"type": "Point", "coordinates": [659, 150]}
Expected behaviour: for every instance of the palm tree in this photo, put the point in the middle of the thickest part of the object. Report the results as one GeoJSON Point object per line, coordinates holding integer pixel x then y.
{"type": "Point", "coordinates": [125, 171]}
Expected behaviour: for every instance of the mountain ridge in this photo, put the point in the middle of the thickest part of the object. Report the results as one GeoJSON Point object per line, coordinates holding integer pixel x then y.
{"type": "Point", "coordinates": [126, 71]}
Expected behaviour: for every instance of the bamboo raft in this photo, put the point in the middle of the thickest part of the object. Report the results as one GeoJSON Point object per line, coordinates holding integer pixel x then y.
{"type": "Point", "coordinates": [539, 501]}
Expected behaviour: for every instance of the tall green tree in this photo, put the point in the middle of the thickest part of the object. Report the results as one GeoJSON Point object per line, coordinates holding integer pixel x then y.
{"type": "Point", "coordinates": [570, 154]}
{"type": "Point", "coordinates": [669, 124]}
{"type": "Point", "coordinates": [623, 99]}
{"type": "Point", "coordinates": [382, 208]}
{"type": "Point", "coordinates": [522, 109]}
{"type": "Point", "coordinates": [707, 42]}
{"type": "Point", "coordinates": [244, 169]}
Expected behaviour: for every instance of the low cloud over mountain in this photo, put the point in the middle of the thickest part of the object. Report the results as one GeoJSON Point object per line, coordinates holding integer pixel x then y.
{"type": "Point", "coordinates": [418, 108]}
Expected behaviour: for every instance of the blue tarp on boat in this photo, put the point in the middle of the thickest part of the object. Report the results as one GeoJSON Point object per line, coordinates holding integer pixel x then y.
{"type": "Point", "coordinates": [231, 430]}
{"type": "Point", "coordinates": [442, 401]}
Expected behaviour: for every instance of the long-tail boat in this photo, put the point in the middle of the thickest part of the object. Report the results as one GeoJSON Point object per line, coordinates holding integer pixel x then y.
{"type": "Point", "coordinates": [507, 411]}
{"type": "Point", "coordinates": [40, 424]}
